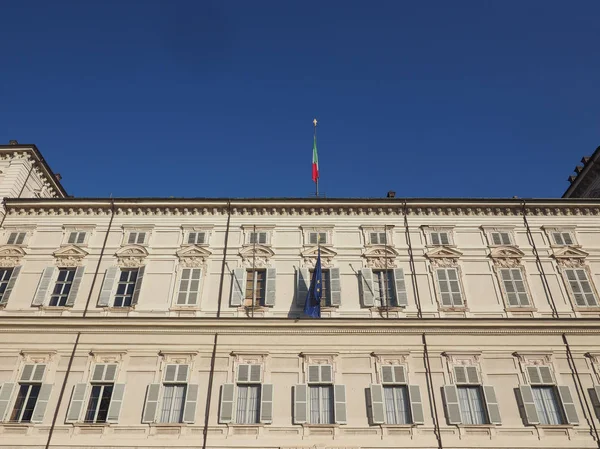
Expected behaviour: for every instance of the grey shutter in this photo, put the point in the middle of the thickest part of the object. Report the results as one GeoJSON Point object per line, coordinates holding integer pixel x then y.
{"type": "Point", "coordinates": [531, 414]}
{"type": "Point", "coordinates": [255, 373]}
{"type": "Point", "coordinates": [26, 373]}
{"type": "Point", "coordinates": [182, 373]}
{"type": "Point", "coordinates": [226, 409]}
{"type": "Point", "coordinates": [435, 238]}
{"type": "Point", "coordinates": [509, 288]}
{"type": "Point", "coordinates": [444, 287]}
{"type": "Point", "coordinates": [132, 237]}
{"type": "Point", "coordinates": [98, 374]}
{"type": "Point", "coordinates": [81, 237]}
{"type": "Point", "coordinates": [472, 375]}
{"type": "Point", "coordinates": [567, 238]}
{"type": "Point", "coordinates": [195, 283]}
{"type": "Point", "coordinates": [377, 404]}
{"type": "Point", "coordinates": [42, 402]}
{"type": "Point", "coordinates": [451, 404]}
{"type": "Point", "coordinates": [326, 373]}
{"type": "Point", "coordinates": [238, 288]}
{"type": "Point", "coordinates": [300, 403]}
{"type": "Point", "coordinates": [151, 405]}
{"type": "Point", "coordinates": [534, 375]}
{"type": "Point", "coordinates": [454, 284]}
{"type": "Point", "coordinates": [170, 372]}
{"type": "Point", "coordinates": [116, 402]}
{"type": "Point", "coordinates": [110, 372]}
{"type": "Point", "coordinates": [496, 238]}
{"type": "Point", "coordinates": [314, 373]}
{"type": "Point", "coordinates": [399, 374]}
{"type": "Point", "coordinates": [76, 405]}
{"type": "Point", "coordinates": [493, 410]}
{"type": "Point", "coordinates": [520, 287]}
{"type": "Point", "coordinates": [400, 288]}
{"type": "Point", "coordinates": [191, 399]}
{"type": "Point", "coordinates": [444, 238]}
{"type": "Point", "coordinates": [312, 238]}
{"type": "Point", "coordinates": [72, 237]}
{"type": "Point", "coordinates": [597, 402]}
{"type": "Point", "coordinates": [568, 404]}
{"type": "Point", "coordinates": [460, 375]}
{"type": "Point", "coordinates": [43, 286]}
{"type": "Point", "coordinates": [243, 373]}
{"type": "Point", "coordinates": [270, 287]}
{"type": "Point", "coordinates": [339, 395]}
{"type": "Point", "coordinates": [138, 286]}
{"type": "Point", "coordinates": [366, 287]}
{"type": "Point", "coordinates": [416, 404]}
{"type": "Point", "coordinates": [38, 372]}
{"type": "Point", "coordinates": [11, 285]}
{"type": "Point", "coordinates": [546, 374]}
{"type": "Point", "coordinates": [387, 374]}
{"type": "Point", "coordinates": [335, 286]}
{"type": "Point", "coordinates": [302, 286]}
{"type": "Point", "coordinates": [107, 286]}
{"type": "Point", "coordinates": [75, 286]}
{"type": "Point", "coordinates": [266, 403]}
{"type": "Point", "coordinates": [12, 237]}
{"type": "Point", "coordinates": [5, 395]}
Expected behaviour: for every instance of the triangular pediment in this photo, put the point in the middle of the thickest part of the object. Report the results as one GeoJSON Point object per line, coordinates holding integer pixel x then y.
{"type": "Point", "coordinates": [443, 252]}
{"type": "Point", "coordinates": [570, 252]}
{"type": "Point", "coordinates": [380, 251]}
{"type": "Point", "coordinates": [313, 252]}
{"type": "Point", "coordinates": [70, 251]}
{"type": "Point", "coordinates": [193, 251]}
{"type": "Point", "coordinates": [11, 251]}
{"type": "Point", "coordinates": [256, 250]}
{"type": "Point", "coordinates": [506, 252]}
{"type": "Point", "coordinates": [132, 251]}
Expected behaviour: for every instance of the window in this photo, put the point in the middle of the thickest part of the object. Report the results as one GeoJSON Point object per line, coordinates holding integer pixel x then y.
{"type": "Point", "coordinates": [383, 288]}
{"type": "Point", "coordinates": [248, 394]}
{"type": "Point", "coordinates": [546, 405]}
{"type": "Point", "coordinates": [174, 393]}
{"type": "Point", "coordinates": [255, 288]}
{"type": "Point", "coordinates": [321, 404]}
{"type": "Point", "coordinates": [63, 285]}
{"type": "Point", "coordinates": [189, 286]}
{"type": "Point", "coordinates": [449, 287]}
{"type": "Point", "coordinates": [440, 238]}
{"type": "Point", "coordinates": [514, 287]}
{"type": "Point", "coordinates": [196, 238]}
{"type": "Point", "coordinates": [315, 238]}
{"type": "Point", "coordinates": [397, 408]}
{"type": "Point", "coordinates": [30, 386]}
{"type": "Point", "coordinates": [5, 274]}
{"type": "Point", "coordinates": [581, 287]}
{"type": "Point", "coordinates": [100, 397]}
{"type": "Point", "coordinates": [471, 405]}
{"type": "Point", "coordinates": [77, 237]}
{"type": "Point", "coordinates": [562, 238]}
{"type": "Point", "coordinates": [501, 238]}
{"type": "Point", "coordinates": [126, 287]}
{"type": "Point", "coordinates": [378, 238]}
{"type": "Point", "coordinates": [138, 238]}
{"type": "Point", "coordinates": [16, 238]}
{"type": "Point", "coordinates": [258, 237]}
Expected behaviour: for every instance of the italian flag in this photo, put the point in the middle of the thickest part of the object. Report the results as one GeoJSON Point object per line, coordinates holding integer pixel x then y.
{"type": "Point", "coordinates": [315, 162]}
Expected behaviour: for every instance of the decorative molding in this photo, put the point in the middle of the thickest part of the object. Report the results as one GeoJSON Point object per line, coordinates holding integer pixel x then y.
{"type": "Point", "coordinates": [306, 230]}
{"type": "Point", "coordinates": [570, 257]}
{"type": "Point", "coordinates": [391, 358]}
{"type": "Point", "coordinates": [37, 356]}
{"type": "Point", "coordinates": [193, 256]}
{"type": "Point", "coordinates": [251, 357]}
{"type": "Point", "coordinates": [11, 255]}
{"type": "Point", "coordinates": [107, 355]}
{"type": "Point", "coordinates": [256, 255]}
{"type": "Point", "coordinates": [309, 257]}
{"type": "Point", "coordinates": [69, 256]}
{"type": "Point", "coordinates": [443, 257]}
{"type": "Point", "coordinates": [131, 256]}
{"type": "Point", "coordinates": [178, 357]}
{"type": "Point", "coordinates": [506, 256]}
{"type": "Point", "coordinates": [380, 256]}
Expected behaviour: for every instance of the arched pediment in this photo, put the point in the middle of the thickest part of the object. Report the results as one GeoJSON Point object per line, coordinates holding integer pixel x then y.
{"type": "Point", "coordinates": [10, 255]}
{"type": "Point", "coordinates": [256, 255]}
{"type": "Point", "coordinates": [193, 255]}
{"type": "Point", "coordinates": [131, 256]}
{"type": "Point", "coordinates": [506, 252]}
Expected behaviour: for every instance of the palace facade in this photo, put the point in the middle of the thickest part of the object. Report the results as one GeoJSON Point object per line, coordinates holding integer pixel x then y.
{"type": "Point", "coordinates": [155, 323]}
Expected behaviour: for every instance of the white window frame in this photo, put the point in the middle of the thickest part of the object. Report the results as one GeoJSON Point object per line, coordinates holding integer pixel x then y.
{"type": "Point", "coordinates": [307, 231]}
{"type": "Point", "coordinates": [439, 292]}
{"type": "Point", "coordinates": [501, 234]}
{"type": "Point", "coordinates": [18, 240]}
{"type": "Point", "coordinates": [318, 234]}
{"type": "Point", "coordinates": [55, 281]}
{"type": "Point", "coordinates": [177, 289]}
{"type": "Point", "coordinates": [505, 293]}
{"type": "Point", "coordinates": [128, 230]}
{"type": "Point", "coordinates": [588, 276]}
{"type": "Point", "coordinates": [68, 230]}
{"type": "Point", "coordinates": [10, 411]}
{"type": "Point", "coordinates": [176, 382]}
{"type": "Point", "coordinates": [258, 233]}
{"type": "Point", "coordinates": [116, 287]}
{"type": "Point", "coordinates": [196, 235]}
{"type": "Point", "coordinates": [387, 230]}
{"type": "Point", "coordinates": [320, 400]}
{"type": "Point", "coordinates": [102, 386]}
{"type": "Point", "coordinates": [561, 234]}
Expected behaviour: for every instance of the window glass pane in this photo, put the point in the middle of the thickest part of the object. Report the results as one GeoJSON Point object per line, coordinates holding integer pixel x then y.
{"type": "Point", "coordinates": [90, 414]}
{"type": "Point", "coordinates": [546, 404]}
{"type": "Point", "coordinates": [396, 405]}
{"type": "Point", "coordinates": [125, 288]}
{"type": "Point", "coordinates": [471, 405]}
{"type": "Point", "coordinates": [5, 274]}
{"type": "Point", "coordinates": [62, 287]}
{"type": "Point", "coordinates": [104, 403]}
{"type": "Point", "coordinates": [20, 402]}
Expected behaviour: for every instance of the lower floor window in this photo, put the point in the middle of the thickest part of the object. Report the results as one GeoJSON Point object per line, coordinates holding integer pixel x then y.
{"type": "Point", "coordinates": [471, 405]}
{"type": "Point", "coordinates": [25, 403]}
{"type": "Point", "coordinates": [172, 404]}
{"type": "Point", "coordinates": [321, 404]}
{"type": "Point", "coordinates": [247, 404]}
{"type": "Point", "coordinates": [546, 404]}
{"type": "Point", "coordinates": [397, 409]}
{"type": "Point", "coordinates": [97, 410]}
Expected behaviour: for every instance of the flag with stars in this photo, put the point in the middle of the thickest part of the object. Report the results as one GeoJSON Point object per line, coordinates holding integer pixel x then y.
{"type": "Point", "coordinates": [312, 305]}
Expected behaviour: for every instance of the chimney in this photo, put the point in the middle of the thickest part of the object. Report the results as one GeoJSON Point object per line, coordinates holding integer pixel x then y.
{"type": "Point", "coordinates": [391, 194]}
{"type": "Point", "coordinates": [58, 176]}
{"type": "Point", "coordinates": [13, 142]}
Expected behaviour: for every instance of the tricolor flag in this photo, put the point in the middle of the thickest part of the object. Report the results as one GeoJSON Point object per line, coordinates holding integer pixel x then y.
{"type": "Point", "coordinates": [315, 161]}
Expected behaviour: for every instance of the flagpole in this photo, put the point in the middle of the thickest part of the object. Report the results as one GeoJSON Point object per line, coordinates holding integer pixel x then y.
{"type": "Point", "coordinates": [315, 139]}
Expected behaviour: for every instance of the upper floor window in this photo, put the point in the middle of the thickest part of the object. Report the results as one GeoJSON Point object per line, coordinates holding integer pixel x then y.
{"type": "Point", "coordinates": [514, 287]}
{"type": "Point", "coordinates": [320, 389]}
{"type": "Point", "coordinates": [121, 287]}
{"type": "Point", "coordinates": [135, 237]}
{"type": "Point", "coordinates": [8, 278]}
{"type": "Point", "coordinates": [16, 238]}
{"type": "Point", "coordinates": [449, 287]}
{"type": "Point", "coordinates": [378, 238]}
{"type": "Point", "coordinates": [77, 237]}
{"type": "Point", "coordinates": [66, 283]}
{"type": "Point", "coordinates": [196, 238]}
{"type": "Point", "coordinates": [62, 287]}
{"type": "Point", "coordinates": [253, 288]}
{"type": "Point", "coordinates": [440, 238]}
{"type": "Point", "coordinates": [126, 287]}
{"type": "Point", "coordinates": [501, 238]}
{"type": "Point", "coordinates": [189, 287]}
{"type": "Point", "coordinates": [383, 288]}
{"type": "Point", "coordinates": [581, 287]}
{"type": "Point", "coordinates": [563, 238]}
{"type": "Point", "coordinates": [317, 238]}
{"type": "Point", "coordinates": [258, 237]}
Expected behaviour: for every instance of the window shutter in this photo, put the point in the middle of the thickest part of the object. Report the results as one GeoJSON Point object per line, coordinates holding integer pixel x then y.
{"type": "Point", "coordinates": [75, 286]}
{"type": "Point", "coordinates": [11, 285]}
{"type": "Point", "coordinates": [451, 404]}
{"type": "Point", "coordinates": [335, 287]}
{"type": "Point", "coordinates": [43, 286]}
{"type": "Point", "coordinates": [472, 375]}
{"type": "Point", "coordinates": [339, 395]}
{"type": "Point", "coordinates": [534, 375]}
{"type": "Point", "coordinates": [196, 282]}
{"type": "Point", "coordinates": [387, 374]}
{"type": "Point", "coordinates": [27, 372]}
{"type": "Point", "coordinates": [300, 403]}
{"type": "Point", "coordinates": [314, 374]}
{"type": "Point", "coordinates": [460, 375]}
{"type": "Point", "coordinates": [567, 238]}
{"type": "Point", "coordinates": [302, 286]}
{"type": "Point", "coordinates": [455, 287]}
{"type": "Point", "coordinates": [568, 404]}
{"type": "Point", "coordinates": [110, 372]}
{"type": "Point", "coordinates": [496, 238]}
{"type": "Point", "coordinates": [141, 238]}
{"type": "Point", "coordinates": [110, 278]}
{"type": "Point", "coordinates": [416, 405]}
{"type": "Point", "coordinates": [597, 402]}
{"type": "Point", "coordinates": [435, 238]}
{"type": "Point", "coordinates": [270, 286]}
{"type": "Point", "coordinates": [255, 373]}
{"type": "Point", "coordinates": [226, 409]}
{"type": "Point", "coordinates": [444, 238]}
{"type": "Point", "coordinates": [5, 395]}
{"type": "Point", "coordinates": [312, 238]}
{"type": "Point", "coordinates": [377, 405]}
{"type": "Point", "coordinates": [116, 401]}
{"type": "Point", "coordinates": [191, 399]}
{"type": "Point", "coordinates": [80, 237]}
{"type": "Point", "coordinates": [76, 405]}
{"type": "Point", "coordinates": [326, 373]}
{"type": "Point", "coordinates": [72, 237]}
{"type": "Point", "coordinates": [38, 372]}
{"type": "Point", "coordinates": [493, 410]}
{"type": "Point", "coordinates": [33, 373]}
{"type": "Point", "coordinates": [511, 294]}
{"type": "Point", "coordinates": [243, 373]}
{"type": "Point", "coordinates": [366, 287]}
{"type": "Point", "coordinates": [400, 288]}
{"type": "Point", "coordinates": [132, 237]}
{"type": "Point", "coordinates": [138, 286]}
{"type": "Point", "coordinates": [238, 288]}
{"type": "Point", "coordinates": [42, 402]}
{"type": "Point", "coordinates": [399, 374]}
{"type": "Point", "coordinates": [191, 238]}
{"type": "Point", "coordinates": [151, 405]}
{"type": "Point", "coordinates": [443, 286]}
{"type": "Point", "coordinates": [266, 403]}
{"type": "Point", "coordinates": [530, 411]}
{"type": "Point", "coordinates": [546, 374]}
{"type": "Point", "coordinates": [98, 374]}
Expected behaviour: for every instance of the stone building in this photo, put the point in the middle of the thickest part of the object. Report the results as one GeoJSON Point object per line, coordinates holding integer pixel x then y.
{"type": "Point", "coordinates": [154, 323]}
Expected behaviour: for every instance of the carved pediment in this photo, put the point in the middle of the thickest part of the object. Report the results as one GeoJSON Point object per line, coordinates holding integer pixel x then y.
{"type": "Point", "coordinates": [506, 252]}
{"type": "Point", "coordinates": [569, 252]}
{"type": "Point", "coordinates": [310, 256]}
{"type": "Point", "coordinates": [131, 256]}
{"type": "Point", "coordinates": [443, 252]}
{"type": "Point", "coordinates": [69, 256]}
{"type": "Point", "coordinates": [10, 255]}
{"type": "Point", "coordinates": [256, 255]}
{"type": "Point", "coordinates": [380, 256]}
{"type": "Point", "coordinates": [193, 256]}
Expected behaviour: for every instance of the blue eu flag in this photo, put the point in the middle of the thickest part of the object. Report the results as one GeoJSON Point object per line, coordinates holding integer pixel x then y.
{"type": "Point", "coordinates": [312, 305]}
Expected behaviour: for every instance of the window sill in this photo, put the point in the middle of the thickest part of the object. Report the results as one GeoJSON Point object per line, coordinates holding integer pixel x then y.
{"type": "Point", "coordinates": [477, 426]}
{"type": "Point", "coordinates": [19, 424]}
{"type": "Point", "coordinates": [91, 424]}
{"type": "Point", "coordinates": [168, 424]}
{"type": "Point", "coordinates": [322, 426]}
{"type": "Point", "coordinates": [54, 308]}
{"type": "Point", "coordinates": [233, 424]}
{"type": "Point", "coordinates": [119, 309]}
{"type": "Point", "coordinates": [397, 426]}
{"type": "Point", "coordinates": [389, 308]}
{"type": "Point", "coordinates": [554, 426]}
{"type": "Point", "coordinates": [454, 309]}
{"type": "Point", "coordinates": [521, 309]}
{"type": "Point", "coordinates": [184, 308]}
{"type": "Point", "coordinates": [587, 309]}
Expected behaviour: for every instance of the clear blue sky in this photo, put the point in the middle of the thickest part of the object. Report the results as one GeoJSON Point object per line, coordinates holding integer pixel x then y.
{"type": "Point", "coordinates": [201, 98]}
